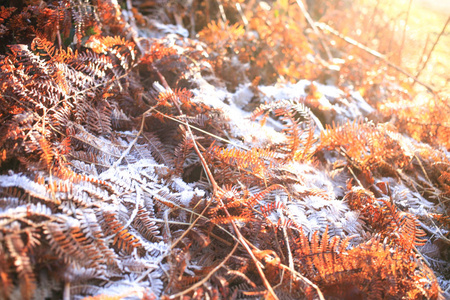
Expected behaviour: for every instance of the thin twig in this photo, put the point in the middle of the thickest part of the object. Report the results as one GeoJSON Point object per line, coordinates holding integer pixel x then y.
{"type": "Point", "coordinates": [203, 131]}
{"type": "Point", "coordinates": [125, 153]}
{"type": "Point", "coordinates": [423, 170]}
{"type": "Point", "coordinates": [252, 255]}
{"type": "Point", "coordinates": [222, 11]}
{"type": "Point", "coordinates": [324, 27]}
{"type": "Point", "coordinates": [66, 293]}
{"type": "Point", "coordinates": [314, 28]}
{"type": "Point", "coordinates": [304, 279]}
{"type": "Point", "coordinates": [344, 152]}
{"type": "Point", "coordinates": [241, 13]}
{"type": "Point", "coordinates": [188, 129]}
{"type": "Point", "coordinates": [150, 192]}
{"type": "Point", "coordinates": [136, 206]}
{"type": "Point", "coordinates": [191, 226]}
{"type": "Point", "coordinates": [216, 189]}
{"type": "Point", "coordinates": [170, 222]}
{"type": "Point", "coordinates": [288, 246]}
{"type": "Point", "coordinates": [421, 58]}
{"type": "Point", "coordinates": [198, 284]}
{"type": "Point", "coordinates": [404, 31]}
{"type": "Point", "coordinates": [432, 48]}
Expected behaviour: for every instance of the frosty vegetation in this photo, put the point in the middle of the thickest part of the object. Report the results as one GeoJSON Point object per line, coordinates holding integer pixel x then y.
{"type": "Point", "coordinates": [213, 150]}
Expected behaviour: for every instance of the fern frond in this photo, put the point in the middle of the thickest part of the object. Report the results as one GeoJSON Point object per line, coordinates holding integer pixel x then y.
{"type": "Point", "coordinates": [123, 239]}
{"type": "Point", "coordinates": [18, 252]}
{"type": "Point", "coordinates": [47, 155]}
{"type": "Point", "coordinates": [68, 240]}
{"type": "Point", "coordinates": [96, 144]}
{"type": "Point", "coordinates": [256, 161]}
{"type": "Point", "coordinates": [251, 201]}
{"type": "Point", "coordinates": [6, 282]}
{"type": "Point", "coordinates": [271, 206]}
{"type": "Point", "coordinates": [182, 151]}
{"type": "Point", "coordinates": [122, 49]}
{"type": "Point", "coordinates": [403, 228]}
{"type": "Point", "coordinates": [145, 225]}
{"type": "Point", "coordinates": [298, 124]}
{"type": "Point", "coordinates": [243, 217]}
{"type": "Point", "coordinates": [99, 119]}
{"type": "Point", "coordinates": [160, 153]}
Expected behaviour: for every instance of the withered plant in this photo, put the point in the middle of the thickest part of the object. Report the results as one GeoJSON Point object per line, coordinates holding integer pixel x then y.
{"type": "Point", "coordinates": [120, 178]}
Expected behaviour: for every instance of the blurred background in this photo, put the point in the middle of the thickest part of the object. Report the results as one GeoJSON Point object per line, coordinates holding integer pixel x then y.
{"type": "Point", "coordinates": [405, 31]}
